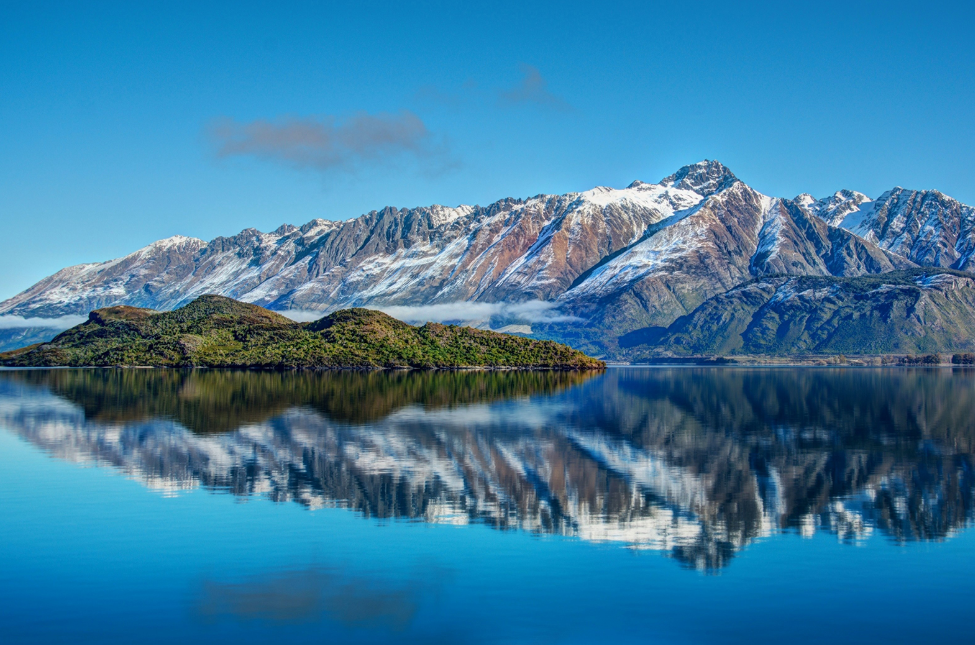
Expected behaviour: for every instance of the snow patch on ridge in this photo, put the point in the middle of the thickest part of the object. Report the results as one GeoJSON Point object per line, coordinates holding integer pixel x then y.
{"type": "Point", "coordinates": [770, 233]}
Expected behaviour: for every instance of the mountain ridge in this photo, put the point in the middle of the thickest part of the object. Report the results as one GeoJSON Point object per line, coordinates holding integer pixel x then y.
{"type": "Point", "coordinates": [603, 262]}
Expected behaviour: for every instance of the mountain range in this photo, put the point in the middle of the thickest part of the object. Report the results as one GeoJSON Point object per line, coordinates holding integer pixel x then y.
{"type": "Point", "coordinates": [601, 269]}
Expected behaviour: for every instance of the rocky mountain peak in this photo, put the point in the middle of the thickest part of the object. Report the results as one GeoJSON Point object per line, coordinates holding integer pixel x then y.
{"type": "Point", "coordinates": [836, 208]}
{"type": "Point", "coordinates": [285, 229]}
{"type": "Point", "coordinates": [704, 178]}
{"type": "Point", "coordinates": [181, 242]}
{"type": "Point", "coordinates": [805, 200]}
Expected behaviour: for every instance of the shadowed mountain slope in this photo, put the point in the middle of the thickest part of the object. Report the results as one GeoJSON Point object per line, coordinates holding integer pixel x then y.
{"type": "Point", "coordinates": [905, 312]}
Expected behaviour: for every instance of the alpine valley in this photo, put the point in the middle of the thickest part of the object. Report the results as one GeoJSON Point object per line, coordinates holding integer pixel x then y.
{"type": "Point", "coordinates": [699, 263]}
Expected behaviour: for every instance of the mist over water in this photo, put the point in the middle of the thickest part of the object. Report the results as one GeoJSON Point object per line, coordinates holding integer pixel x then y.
{"type": "Point", "coordinates": [721, 470]}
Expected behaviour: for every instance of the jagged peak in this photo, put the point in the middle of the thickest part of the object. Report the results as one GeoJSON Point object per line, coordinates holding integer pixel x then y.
{"type": "Point", "coordinates": [284, 229]}
{"type": "Point", "coordinates": [178, 242]}
{"type": "Point", "coordinates": [704, 178]}
{"type": "Point", "coordinates": [845, 196]}
{"type": "Point", "coordinates": [175, 240]}
{"type": "Point", "coordinates": [317, 224]}
{"type": "Point", "coordinates": [850, 194]}
{"type": "Point", "coordinates": [805, 200]}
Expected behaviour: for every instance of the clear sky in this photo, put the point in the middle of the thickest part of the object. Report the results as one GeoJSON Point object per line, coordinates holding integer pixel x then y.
{"type": "Point", "coordinates": [124, 123]}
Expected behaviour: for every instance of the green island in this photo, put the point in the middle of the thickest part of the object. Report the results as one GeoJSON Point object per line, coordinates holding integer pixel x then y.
{"type": "Point", "coordinates": [214, 331]}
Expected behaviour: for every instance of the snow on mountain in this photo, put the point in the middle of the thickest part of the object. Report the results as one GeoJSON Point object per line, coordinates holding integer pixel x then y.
{"type": "Point", "coordinates": [843, 208]}
{"type": "Point", "coordinates": [512, 249]}
{"type": "Point", "coordinates": [728, 238]}
{"type": "Point", "coordinates": [620, 259]}
{"type": "Point", "coordinates": [927, 227]}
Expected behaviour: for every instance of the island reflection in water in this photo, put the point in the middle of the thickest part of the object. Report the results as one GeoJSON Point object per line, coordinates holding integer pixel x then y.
{"type": "Point", "coordinates": [693, 462]}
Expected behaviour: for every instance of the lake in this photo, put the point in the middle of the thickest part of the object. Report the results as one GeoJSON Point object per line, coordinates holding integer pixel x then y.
{"type": "Point", "coordinates": [638, 505]}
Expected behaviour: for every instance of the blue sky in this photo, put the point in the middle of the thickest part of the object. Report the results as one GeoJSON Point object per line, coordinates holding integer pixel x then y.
{"type": "Point", "coordinates": [124, 123]}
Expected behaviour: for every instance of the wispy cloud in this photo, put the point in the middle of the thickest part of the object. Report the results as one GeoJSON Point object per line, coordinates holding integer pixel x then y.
{"type": "Point", "coordinates": [327, 143]}
{"type": "Point", "coordinates": [463, 312]}
{"type": "Point", "coordinates": [532, 311]}
{"type": "Point", "coordinates": [533, 88]}
{"type": "Point", "coordinates": [467, 95]}
{"type": "Point", "coordinates": [302, 315]}
{"type": "Point", "coordinates": [62, 322]}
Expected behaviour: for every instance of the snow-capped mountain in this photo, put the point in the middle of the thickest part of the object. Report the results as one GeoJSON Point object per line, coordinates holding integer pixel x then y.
{"type": "Point", "coordinates": [510, 250]}
{"type": "Point", "coordinates": [605, 261]}
{"type": "Point", "coordinates": [927, 227]}
{"type": "Point", "coordinates": [728, 238]}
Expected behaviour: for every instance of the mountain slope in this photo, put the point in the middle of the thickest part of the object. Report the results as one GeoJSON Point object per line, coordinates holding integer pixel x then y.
{"type": "Point", "coordinates": [912, 312]}
{"type": "Point", "coordinates": [510, 250]}
{"type": "Point", "coordinates": [214, 331]}
{"type": "Point", "coordinates": [592, 266]}
{"type": "Point", "coordinates": [927, 227]}
{"type": "Point", "coordinates": [729, 238]}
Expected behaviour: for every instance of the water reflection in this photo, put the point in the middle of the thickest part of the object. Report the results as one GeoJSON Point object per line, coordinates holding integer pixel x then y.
{"type": "Point", "coordinates": [694, 462]}
{"type": "Point", "coordinates": [307, 595]}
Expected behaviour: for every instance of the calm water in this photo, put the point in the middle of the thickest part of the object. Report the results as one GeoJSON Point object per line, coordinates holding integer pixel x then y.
{"type": "Point", "coordinates": [640, 505]}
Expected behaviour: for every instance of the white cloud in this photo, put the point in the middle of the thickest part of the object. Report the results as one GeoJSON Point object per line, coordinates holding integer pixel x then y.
{"type": "Point", "coordinates": [62, 322]}
{"type": "Point", "coordinates": [302, 315]}
{"type": "Point", "coordinates": [532, 311]}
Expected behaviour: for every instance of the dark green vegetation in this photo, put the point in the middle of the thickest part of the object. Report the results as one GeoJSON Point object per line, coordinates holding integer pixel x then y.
{"type": "Point", "coordinates": [209, 401]}
{"type": "Point", "coordinates": [214, 331]}
{"type": "Point", "coordinates": [921, 311]}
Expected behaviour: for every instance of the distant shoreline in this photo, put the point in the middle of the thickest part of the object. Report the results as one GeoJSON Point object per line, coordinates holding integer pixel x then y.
{"type": "Point", "coordinates": [261, 368]}
{"type": "Point", "coordinates": [812, 360]}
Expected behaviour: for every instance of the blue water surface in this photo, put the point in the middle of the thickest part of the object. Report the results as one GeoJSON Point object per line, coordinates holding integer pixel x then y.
{"type": "Point", "coordinates": [111, 533]}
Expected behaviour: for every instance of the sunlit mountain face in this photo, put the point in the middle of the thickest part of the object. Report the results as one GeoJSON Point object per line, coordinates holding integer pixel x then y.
{"type": "Point", "coordinates": [696, 463]}
{"type": "Point", "coordinates": [612, 272]}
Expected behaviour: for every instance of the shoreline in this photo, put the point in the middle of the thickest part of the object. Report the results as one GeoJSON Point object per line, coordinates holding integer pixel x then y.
{"type": "Point", "coordinates": [244, 368]}
{"type": "Point", "coordinates": [811, 360]}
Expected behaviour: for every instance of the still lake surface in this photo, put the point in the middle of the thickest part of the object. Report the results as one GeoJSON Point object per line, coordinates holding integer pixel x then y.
{"type": "Point", "coordinates": [663, 505]}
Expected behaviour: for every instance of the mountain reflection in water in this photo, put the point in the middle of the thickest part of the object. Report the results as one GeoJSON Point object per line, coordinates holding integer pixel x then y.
{"type": "Point", "coordinates": [694, 462]}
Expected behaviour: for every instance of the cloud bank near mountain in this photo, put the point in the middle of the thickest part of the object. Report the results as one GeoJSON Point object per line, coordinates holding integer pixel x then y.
{"type": "Point", "coordinates": [534, 311]}
{"type": "Point", "coordinates": [531, 311]}
{"type": "Point", "coordinates": [20, 322]}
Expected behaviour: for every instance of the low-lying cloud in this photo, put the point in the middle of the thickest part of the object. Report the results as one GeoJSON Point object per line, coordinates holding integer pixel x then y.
{"type": "Point", "coordinates": [19, 322]}
{"type": "Point", "coordinates": [302, 315]}
{"type": "Point", "coordinates": [327, 142]}
{"type": "Point", "coordinates": [538, 311]}
{"type": "Point", "coordinates": [534, 311]}
{"type": "Point", "coordinates": [533, 88]}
